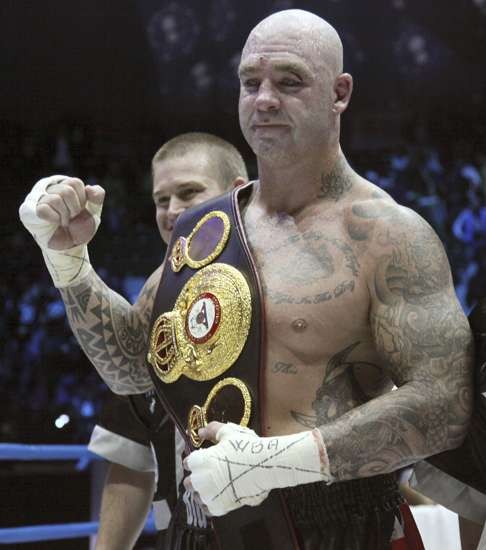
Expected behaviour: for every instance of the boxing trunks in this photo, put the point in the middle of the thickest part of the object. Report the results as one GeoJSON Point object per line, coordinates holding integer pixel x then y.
{"type": "Point", "coordinates": [362, 514]}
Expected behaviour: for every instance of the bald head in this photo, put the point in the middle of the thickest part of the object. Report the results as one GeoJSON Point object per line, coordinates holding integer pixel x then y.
{"type": "Point", "coordinates": [292, 88]}
{"type": "Point", "coordinates": [304, 31]}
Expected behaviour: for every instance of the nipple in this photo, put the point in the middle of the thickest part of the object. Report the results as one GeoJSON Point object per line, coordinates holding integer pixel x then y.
{"type": "Point", "coordinates": [299, 325]}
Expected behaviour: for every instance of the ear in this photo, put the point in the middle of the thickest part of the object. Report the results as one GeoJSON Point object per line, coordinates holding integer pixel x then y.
{"type": "Point", "coordinates": [343, 88]}
{"type": "Point", "coordinates": [237, 182]}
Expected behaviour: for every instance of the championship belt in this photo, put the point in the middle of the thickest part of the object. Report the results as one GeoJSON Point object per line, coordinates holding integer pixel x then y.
{"type": "Point", "coordinates": [206, 352]}
{"type": "Point", "coordinates": [467, 463]}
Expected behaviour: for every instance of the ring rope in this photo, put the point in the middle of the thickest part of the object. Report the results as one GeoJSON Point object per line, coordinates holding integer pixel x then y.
{"type": "Point", "coordinates": [33, 533]}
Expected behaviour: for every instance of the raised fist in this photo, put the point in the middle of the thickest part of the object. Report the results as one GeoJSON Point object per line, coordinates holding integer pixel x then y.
{"type": "Point", "coordinates": [72, 207]}
{"type": "Point", "coordinates": [63, 214]}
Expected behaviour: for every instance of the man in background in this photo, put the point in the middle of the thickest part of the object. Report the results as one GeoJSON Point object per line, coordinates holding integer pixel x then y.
{"type": "Point", "coordinates": [134, 434]}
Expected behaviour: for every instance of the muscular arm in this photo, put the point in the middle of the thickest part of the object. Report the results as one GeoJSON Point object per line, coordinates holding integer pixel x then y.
{"type": "Point", "coordinates": [127, 496]}
{"type": "Point", "coordinates": [112, 333]}
{"type": "Point", "coordinates": [424, 340]}
{"type": "Point", "coordinates": [63, 214]}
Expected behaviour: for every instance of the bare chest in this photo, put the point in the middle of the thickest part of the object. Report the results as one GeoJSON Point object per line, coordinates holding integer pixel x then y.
{"type": "Point", "coordinates": [314, 287]}
{"type": "Point", "coordinates": [317, 322]}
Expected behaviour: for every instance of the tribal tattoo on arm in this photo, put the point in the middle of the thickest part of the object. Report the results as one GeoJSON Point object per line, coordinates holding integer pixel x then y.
{"type": "Point", "coordinates": [112, 333]}
{"type": "Point", "coordinates": [424, 341]}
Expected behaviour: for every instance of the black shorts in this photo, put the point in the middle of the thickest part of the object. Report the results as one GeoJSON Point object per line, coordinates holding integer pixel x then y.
{"type": "Point", "coordinates": [351, 515]}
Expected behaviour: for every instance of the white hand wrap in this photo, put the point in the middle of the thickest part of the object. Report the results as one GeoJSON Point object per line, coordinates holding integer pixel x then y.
{"type": "Point", "coordinates": [243, 467]}
{"type": "Point", "coordinates": [66, 267]}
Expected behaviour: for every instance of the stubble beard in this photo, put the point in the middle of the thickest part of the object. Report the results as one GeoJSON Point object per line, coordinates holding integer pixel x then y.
{"type": "Point", "coordinates": [278, 152]}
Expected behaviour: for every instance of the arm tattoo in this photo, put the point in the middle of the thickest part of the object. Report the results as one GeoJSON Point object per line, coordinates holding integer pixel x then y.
{"type": "Point", "coordinates": [361, 221]}
{"type": "Point", "coordinates": [112, 333]}
{"type": "Point", "coordinates": [424, 340]}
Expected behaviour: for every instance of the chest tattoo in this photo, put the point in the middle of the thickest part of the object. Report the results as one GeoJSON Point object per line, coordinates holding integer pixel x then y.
{"type": "Point", "coordinates": [278, 297]}
{"type": "Point", "coordinates": [339, 391]}
{"type": "Point", "coordinates": [284, 368]}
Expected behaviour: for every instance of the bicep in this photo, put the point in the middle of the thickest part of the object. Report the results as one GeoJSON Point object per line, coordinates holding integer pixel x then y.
{"type": "Point", "coordinates": [421, 341]}
{"type": "Point", "coordinates": [418, 326]}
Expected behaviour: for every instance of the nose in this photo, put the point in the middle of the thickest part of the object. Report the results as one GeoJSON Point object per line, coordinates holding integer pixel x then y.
{"type": "Point", "coordinates": [267, 97]}
{"type": "Point", "coordinates": [175, 208]}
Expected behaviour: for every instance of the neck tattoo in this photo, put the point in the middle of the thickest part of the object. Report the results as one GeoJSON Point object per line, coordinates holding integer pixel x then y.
{"type": "Point", "coordinates": [335, 184]}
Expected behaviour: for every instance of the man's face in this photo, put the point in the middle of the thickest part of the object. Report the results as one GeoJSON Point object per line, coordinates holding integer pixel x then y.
{"type": "Point", "coordinates": [286, 97]}
{"type": "Point", "coordinates": [180, 183]}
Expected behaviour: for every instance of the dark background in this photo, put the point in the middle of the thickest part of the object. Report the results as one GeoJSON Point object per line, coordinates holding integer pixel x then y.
{"type": "Point", "coordinates": [93, 88]}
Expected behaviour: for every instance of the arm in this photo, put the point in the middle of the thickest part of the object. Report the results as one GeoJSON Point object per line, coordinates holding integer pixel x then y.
{"type": "Point", "coordinates": [112, 332]}
{"type": "Point", "coordinates": [127, 496]}
{"type": "Point", "coordinates": [124, 442]}
{"type": "Point", "coordinates": [63, 215]}
{"type": "Point", "coordinates": [424, 340]}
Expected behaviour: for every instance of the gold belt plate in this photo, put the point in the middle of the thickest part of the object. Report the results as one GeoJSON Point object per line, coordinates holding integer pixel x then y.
{"type": "Point", "coordinates": [204, 244]}
{"type": "Point", "coordinates": [200, 416]}
{"type": "Point", "coordinates": [204, 334]}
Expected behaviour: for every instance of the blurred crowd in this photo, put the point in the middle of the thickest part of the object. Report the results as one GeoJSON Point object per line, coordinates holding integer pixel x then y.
{"type": "Point", "coordinates": [49, 391]}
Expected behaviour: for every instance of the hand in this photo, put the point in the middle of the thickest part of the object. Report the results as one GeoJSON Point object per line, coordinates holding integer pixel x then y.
{"type": "Point", "coordinates": [206, 434]}
{"type": "Point", "coordinates": [62, 214]}
{"type": "Point", "coordinates": [200, 466]}
{"type": "Point", "coordinates": [242, 468]}
{"type": "Point", "coordinates": [69, 205]}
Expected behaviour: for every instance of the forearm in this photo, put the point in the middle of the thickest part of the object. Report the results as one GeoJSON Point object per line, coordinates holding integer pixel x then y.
{"type": "Point", "coordinates": [62, 214]}
{"type": "Point", "coordinates": [395, 430]}
{"type": "Point", "coordinates": [127, 496]}
{"type": "Point", "coordinates": [111, 333]}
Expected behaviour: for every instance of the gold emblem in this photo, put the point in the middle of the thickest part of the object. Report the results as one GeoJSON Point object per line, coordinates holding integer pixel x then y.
{"type": "Point", "coordinates": [177, 258]}
{"type": "Point", "coordinates": [204, 244]}
{"type": "Point", "coordinates": [205, 332]}
{"type": "Point", "coordinates": [231, 408]}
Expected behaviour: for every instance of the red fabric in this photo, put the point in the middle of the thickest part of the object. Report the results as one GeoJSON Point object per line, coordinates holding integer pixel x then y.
{"type": "Point", "coordinates": [411, 539]}
{"type": "Point", "coordinates": [400, 544]}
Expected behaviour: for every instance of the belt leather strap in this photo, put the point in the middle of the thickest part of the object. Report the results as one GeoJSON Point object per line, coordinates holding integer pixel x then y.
{"type": "Point", "coordinates": [268, 525]}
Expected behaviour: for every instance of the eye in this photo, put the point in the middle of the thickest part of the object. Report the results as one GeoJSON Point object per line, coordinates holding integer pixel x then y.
{"type": "Point", "coordinates": [251, 83]}
{"type": "Point", "coordinates": [161, 202]}
{"type": "Point", "coordinates": [289, 82]}
{"type": "Point", "coordinates": [188, 193]}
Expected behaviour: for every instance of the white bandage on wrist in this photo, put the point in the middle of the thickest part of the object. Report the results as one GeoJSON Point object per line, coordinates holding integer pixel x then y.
{"type": "Point", "coordinates": [242, 468]}
{"type": "Point", "coordinates": [66, 267]}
